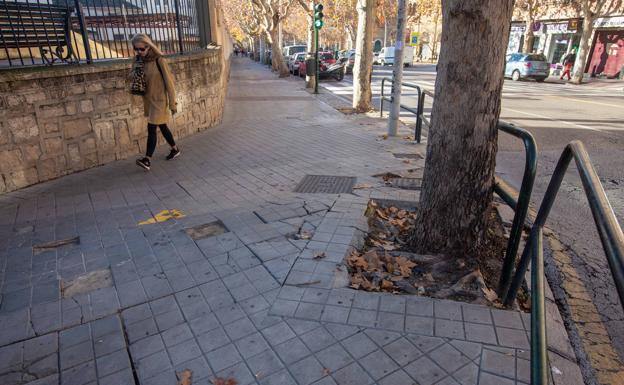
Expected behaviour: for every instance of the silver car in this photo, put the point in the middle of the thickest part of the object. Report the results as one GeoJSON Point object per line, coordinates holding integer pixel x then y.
{"type": "Point", "coordinates": [293, 62]}
{"type": "Point", "coordinates": [527, 66]}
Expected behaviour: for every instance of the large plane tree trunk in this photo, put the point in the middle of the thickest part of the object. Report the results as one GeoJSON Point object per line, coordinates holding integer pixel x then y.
{"type": "Point", "coordinates": [462, 143]}
{"type": "Point", "coordinates": [277, 59]}
{"type": "Point", "coordinates": [583, 51]}
{"type": "Point", "coordinates": [363, 68]}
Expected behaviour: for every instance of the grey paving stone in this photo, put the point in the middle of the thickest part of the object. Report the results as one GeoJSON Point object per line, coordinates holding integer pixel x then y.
{"type": "Point", "coordinates": [336, 314]}
{"type": "Point", "coordinates": [280, 378]}
{"type": "Point", "coordinates": [315, 295]}
{"type": "Point", "coordinates": [449, 329]}
{"type": "Point", "coordinates": [76, 354]}
{"type": "Point", "coordinates": [398, 377]}
{"type": "Point", "coordinates": [514, 338]}
{"type": "Point", "coordinates": [359, 345]}
{"type": "Point", "coordinates": [136, 313]}
{"type": "Point", "coordinates": [109, 343]}
{"type": "Point", "coordinates": [447, 310]}
{"type": "Point", "coordinates": [34, 349]}
{"type": "Point", "coordinates": [239, 329]}
{"type": "Point", "coordinates": [391, 321]}
{"type": "Point", "coordinates": [312, 311]}
{"type": "Point", "coordinates": [469, 349]}
{"type": "Point", "coordinates": [292, 293]}
{"type": "Point", "coordinates": [184, 351]}
{"type": "Point", "coordinates": [364, 300]}
{"type": "Point", "coordinates": [507, 319]}
{"type": "Point", "coordinates": [307, 370]}
{"type": "Point", "coordinates": [147, 346]}
{"type": "Point", "coordinates": [177, 334]}
{"type": "Point", "coordinates": [204, 324]}
{"type": "Point", "coordinates": [352, 375]}
{"type": "Point", "coordinates": [477, 314]}
{"type": "Point", "coordinates": [213, 339]}
{"type": "Point", "coordinates": [131, 293]}
{"type": "Point", "coordinates": [491, 379]}
{"type": "Point", "coordinates": [292, 350]}
{"type": "Point", "coordinates": [378, 364]}
{"type": "Point", "coordinates": [448, 358]}
{"type": "Point", "coordinates": [424, 343]}
{"type": "Point", "coordinates": [199, 366]}
{"type": "Point", "coordinates": [392, 304]}
{"type": "Point", "coordinates": [240, 372]}
{"type": "Point", "coordinates": [141, 329]}
{"type": "Point", "coordinates": [468, 375]}
{"type": "Point", "coordinates": [318, 339]}
{"type": "Point", "coordinates": [264, 364]}
{"type": "Point", "coordinates": [255, 304]}
{"type": "Point", "coordinates": [301, 326]}
{"type": "Point", "coordinates": [402, 351]}
{"type": "Point", "coordinates": [153, 365]}
{"type": "Point", "coordinates": [425, 371]}
{"type": "Point", "coordinates": [334, 357]}
{"type": "Point", "coordinates": [382, 337]}
{"type": "Point", "coordinates": [360, 317]}
{"type": "Point", "coordinates": [112, 363]}
{"type": "Point", "coordinates": [420, 307]}
{"type": "Point", "coordinates": [251, 345]}
{"type": "Point", "coordinates": [325, 381]}
{"type": "Point", "coordinates": [230, 314]}
{"type": "Point", "coordinates": [278, 333]}
{"type": "Point", "coordinates": [419, 325]}
{"type": "Point", "coordinates": [480, 333]}
{"type": "Point", "coordinates": [284, 308]}
{"type": "Point", "coordinates": [74, 335]}
{"type": "Point", "coordinates": [223, 358]}
{"type": "Point", "coordinates": [79, 375]}
{"type": "Point", "coordinates": [498, 363]}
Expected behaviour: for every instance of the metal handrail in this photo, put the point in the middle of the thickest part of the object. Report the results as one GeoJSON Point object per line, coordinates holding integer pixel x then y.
{"type": "Point", "coordinates": [611, 237]}
{"type": "Point", "coordinates": [521, 205]}
{"type": "Point", "coordinates": [416, 111]}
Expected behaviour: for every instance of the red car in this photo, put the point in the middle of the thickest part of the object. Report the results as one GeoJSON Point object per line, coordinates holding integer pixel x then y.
{"type": "Point", "coordinates": [325, 57]}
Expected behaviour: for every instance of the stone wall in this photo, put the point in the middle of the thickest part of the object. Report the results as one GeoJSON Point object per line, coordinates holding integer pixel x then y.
{"type": "Point", "coordinates": [59, 120]}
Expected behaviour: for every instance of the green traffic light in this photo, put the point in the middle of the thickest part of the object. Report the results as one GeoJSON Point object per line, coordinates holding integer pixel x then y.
{"type": "Point", "coordinates": [318, 16]}
{"type": "Point", "coordinates": [318, 24]}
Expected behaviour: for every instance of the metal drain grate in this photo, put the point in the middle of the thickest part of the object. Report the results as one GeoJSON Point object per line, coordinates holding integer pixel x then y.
{"type": "Point", "coordinates": [326, 184]}
{"type": "Point", "coordinates": [206, 230]}
{"type": "Point", "coordinates": [408, 156]}
{"type": "Point", "coordinates": [406, 183]}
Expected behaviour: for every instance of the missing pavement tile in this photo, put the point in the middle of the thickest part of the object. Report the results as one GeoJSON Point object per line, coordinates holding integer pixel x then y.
{"type": "Point", "coordinates": [408, 156]}
{"type": "Point", "coordinates": [405, 183]}
{"type": "Point", "coordinates": [326, 184]}
{"type": "Point", "coordinates": [86, 283]}
{"type": "Point", "coordinates": [206, 230]}
{"type": "Point", "coordinates": [54, 244]}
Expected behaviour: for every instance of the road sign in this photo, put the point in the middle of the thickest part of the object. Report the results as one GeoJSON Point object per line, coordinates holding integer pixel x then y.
{"type": "Point", "coordinates": [414, 37]}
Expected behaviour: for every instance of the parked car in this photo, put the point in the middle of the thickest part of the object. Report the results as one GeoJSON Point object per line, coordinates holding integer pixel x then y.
{"type": "Point", "coordinates": [386, 56]}
{"type": "Point", "coordinates": [375, 58]}
{"type": "Point", "coordinates": [325, 57]}
{"type": "Point", "coordinates": [295, 61]}
{"type": "Point", "coordinates": [350, 63]}
{"type": "Point", "coordinates": [288, 51]}
{"type": "Point", "coordinates": [527, 66]}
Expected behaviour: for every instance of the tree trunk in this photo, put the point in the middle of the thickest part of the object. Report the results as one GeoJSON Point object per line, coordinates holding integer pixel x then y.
{"type": "Point", "coordinates": [362, 70]}
{"type": "Point", "coordinates": [277, 59]}
{"type": "Point", "coordinates": [529, 36]}
{"type": "Point", "coordinates": [462, 143]}
{"type": "Point", "coordinates": [583, 51]}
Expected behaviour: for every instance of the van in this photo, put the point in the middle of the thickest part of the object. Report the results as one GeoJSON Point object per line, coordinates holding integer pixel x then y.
{"type": "Point", "coordinates": [288, 51]}
{"type": "Point", "coordinates": [386, 56]}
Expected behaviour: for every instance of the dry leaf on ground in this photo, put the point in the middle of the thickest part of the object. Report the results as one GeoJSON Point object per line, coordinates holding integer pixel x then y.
{"type": "Point", "coordinates": [362, 186]}
{"type": "Point", "coordinates": [319, 255]}
{"type": "Point", "coordinates": [224, 381]}
{"type": "Point", "coordinates": [185, 377]}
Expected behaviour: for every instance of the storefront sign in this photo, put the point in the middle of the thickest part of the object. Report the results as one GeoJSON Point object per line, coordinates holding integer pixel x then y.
{"type": "Point", "coordinates": [518, 28]}
{"type": "Point", "coordinates": [574, 24]}
{"type": "Point", "coordinates": [557, 28]}
{"type": "Point", "coordinates": [414, 38]}
{"type": "Point", "coordinates": [609, 22]}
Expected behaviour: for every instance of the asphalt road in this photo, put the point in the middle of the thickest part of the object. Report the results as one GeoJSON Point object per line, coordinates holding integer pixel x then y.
{"type": "Point", "coordinates": [555, 113]}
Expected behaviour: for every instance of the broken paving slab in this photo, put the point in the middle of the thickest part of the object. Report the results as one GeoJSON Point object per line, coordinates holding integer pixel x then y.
{"type": "Point", "coordinates": [206, 230]}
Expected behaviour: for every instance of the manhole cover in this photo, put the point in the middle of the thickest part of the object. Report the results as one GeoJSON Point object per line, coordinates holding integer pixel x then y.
{"type": "Point", "coordinates": [206, 230]}
{"type": "Point", "coordinates": [405, 183]}
{"type": "Point", "coordinates": [326, 184]}
{"type": "Point", "coordinates": [408, 156]}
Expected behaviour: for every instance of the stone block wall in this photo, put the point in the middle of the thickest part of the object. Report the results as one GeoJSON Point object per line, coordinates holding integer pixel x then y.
{"type": "Point", "coordinates": [59, 120]}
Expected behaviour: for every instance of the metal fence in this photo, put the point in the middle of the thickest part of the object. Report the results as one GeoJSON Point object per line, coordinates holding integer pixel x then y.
{"type": "Point", "coordinates": [42, 32]}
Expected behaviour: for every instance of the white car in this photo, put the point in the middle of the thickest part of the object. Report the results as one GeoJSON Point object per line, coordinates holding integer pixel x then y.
{"type": "Point", "coordinates": [293, 62]}
{"type": "Point", "coordinates": [386, 56]}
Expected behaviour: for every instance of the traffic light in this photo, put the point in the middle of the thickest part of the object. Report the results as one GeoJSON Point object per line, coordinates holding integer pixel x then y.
{"type": "Point", "coordinates": [318, 16]}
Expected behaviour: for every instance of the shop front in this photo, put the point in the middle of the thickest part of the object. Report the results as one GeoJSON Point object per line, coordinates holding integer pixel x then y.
{"type": "Point", "coordinates": [607, 51]}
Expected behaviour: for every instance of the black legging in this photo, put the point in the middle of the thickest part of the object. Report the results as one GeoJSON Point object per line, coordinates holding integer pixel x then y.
{"type": "Point", "coordinates": [152, 138]}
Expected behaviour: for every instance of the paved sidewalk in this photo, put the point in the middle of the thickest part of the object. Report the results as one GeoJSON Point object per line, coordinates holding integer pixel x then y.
{"type": "Point", "coordinates": [133, 303]}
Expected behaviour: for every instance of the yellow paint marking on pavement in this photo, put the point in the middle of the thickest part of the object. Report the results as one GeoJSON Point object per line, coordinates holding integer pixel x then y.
{"type": "Point", "coordinates": [552, 119]}
{"type": "Point", "coordinates": [587, 101]}
{"type": "Point", "coordinates": [164, 215]}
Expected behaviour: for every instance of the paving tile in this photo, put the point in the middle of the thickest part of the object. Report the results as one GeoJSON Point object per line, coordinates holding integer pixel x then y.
{"type": "Point", "coordinates": [177, 334]}
{"type": "Point", "coordinates": [251, 345]}
{"type": "Point", "coordinates": [378, 364]}
{"type": "Point", "coordinates": [223, 357]}
{"type": "Point", "coordinates": [361, 317]}
{"type": "Point", "coordinates": [359, 345]}
{"type": "Point", "coordinates": [514, 338]}
{"type": "Point", "coordinates": [498, 363]}
{"type": "Point", "coordinates": [352, 375]}
{"type": "Point", "coordinates": [307, 370]}
{"type": "Point", "coordinates": [402, 351]}
{"type": "Point", "coordinates": [264, 364]}
{"type": "Point", "coordinates": [317, 339]}
{"type": "Point", "coordinates": [183, 352]}
{"type": "Point", "coordinates": [146, 347]}
{"type": "Point", "coordinates": [238, 371]}
{"type": "Point", "coordinates": [391, 321]}
{"type": "Point", "coordinates": [199, 366]}
{"type": "Point", "coordinates": [153, 365]}
{"type": "Point", "coordinates": [468, 375]}
{"type": "Point", "coordinates": [79, 375]}
{"type": "Point", "coordinates": [292, 350]}
{"type": "Point", "coordinates": [507, 319]}
{"type": "Point", "coordinates": [420, 307]}
{"type": "Point", "coordinates": [112, 363]}
{"type": "Point", "coordinates": [213, 339]}
{"type": "Point", "coordinates": [341, 331]}
{"type": "Point", "coordinates": [336, 314]}
{"type": "Point", "coordinates": [449, 329]}
{"type": "Point", "coordinates": [425, 371]}
{"type": "Point", "coordinates": [448, 358]}
{"type": "Point", "coordinates": [480, 333]}
{"type": "Point", "coordinates": [398, 377]}
{"type": "Point", "coordinates": [76, 354]}
{"type": "Point", "coordinates": [278, 333]}
{"type": "Point", "coordinates": [491, 379]}
{"type": "Point", "coordinates": [311, 311]}
{"type": "Point", "coordinates": [469, 349]}
{"type": "Point", "coordinates": [239, 328]}
{"type": "Point", "coordinates": [334, 357]}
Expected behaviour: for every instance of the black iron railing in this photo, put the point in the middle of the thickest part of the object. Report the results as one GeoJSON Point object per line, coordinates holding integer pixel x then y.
{"type": "Point", "coordinates": [42, 32]}
{"type": "Point", "coordinates": [611, 237]}
{"type": "Point", "coordinates": [416, 111]}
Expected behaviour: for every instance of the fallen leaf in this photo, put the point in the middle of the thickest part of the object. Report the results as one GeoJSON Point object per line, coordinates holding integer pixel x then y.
{"type": "Point", "coordinates": [381, 214]}
{"type": "Point", "coordinates": [326, 372]}
{"type": "Point", "coordinates": [490, 294]}
{"type": "Point", "coordinates": [185, 377]}
{"type": "Point", "coordinates": [387, 285]}
{"type": "Point", "coordinates": [407, 161]}
{"type": "Point", "coordinates": [362, 186]}
{"type": "Point", "coordinates": [319, 255]}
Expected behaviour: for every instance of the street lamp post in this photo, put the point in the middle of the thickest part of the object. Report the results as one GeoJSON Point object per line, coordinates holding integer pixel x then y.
{"type": "Point", "coordinates": [397, 73]}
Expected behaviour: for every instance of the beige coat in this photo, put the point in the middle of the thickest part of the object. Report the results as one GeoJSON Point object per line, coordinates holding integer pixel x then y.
{"type": "Point", "coordinates": [160, 97]}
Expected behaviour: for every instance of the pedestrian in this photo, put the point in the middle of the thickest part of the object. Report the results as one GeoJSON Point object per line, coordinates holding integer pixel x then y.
{"type": "Point", "coordinates": [152, 80]}
{"type": "Point", "coordinates": [568, 63]}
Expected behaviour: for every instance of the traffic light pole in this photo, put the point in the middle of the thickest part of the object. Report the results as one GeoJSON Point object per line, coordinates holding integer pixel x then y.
{"type": "Point", "coordinates": [316, 60]}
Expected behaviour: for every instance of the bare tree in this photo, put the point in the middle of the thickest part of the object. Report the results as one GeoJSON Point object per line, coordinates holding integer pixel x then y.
{"type": "Point", "coordinates": [462, 144]}
{"type": "Point", "coordinates": [363, 68]}
{"type": "Point", "coordinates": [268, 15]}
{"type": "Point", "coordinates": [530, 11]}
{"type": "Point", "coordinates": [590, 10]}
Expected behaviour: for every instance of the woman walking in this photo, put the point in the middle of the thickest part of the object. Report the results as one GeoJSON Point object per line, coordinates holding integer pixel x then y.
{"type": "Point", "coordinates": [152, 79]}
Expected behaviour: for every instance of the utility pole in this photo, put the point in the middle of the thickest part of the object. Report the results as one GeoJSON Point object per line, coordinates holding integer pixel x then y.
{"type": "Point", "coordinates": [397, 73]}
{"type": "Point", "coordinates": [318, 24]}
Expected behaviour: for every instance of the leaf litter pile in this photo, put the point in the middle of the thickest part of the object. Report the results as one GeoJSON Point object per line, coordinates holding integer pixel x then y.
{"type": "Point", "coordinates": [385, 263]}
